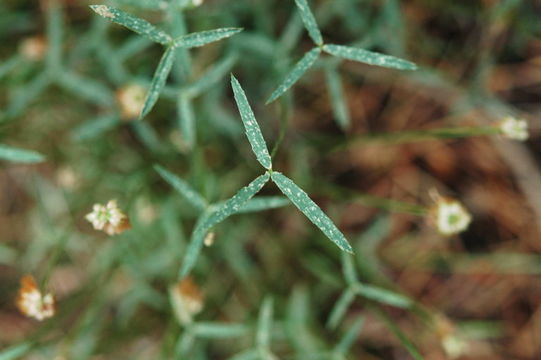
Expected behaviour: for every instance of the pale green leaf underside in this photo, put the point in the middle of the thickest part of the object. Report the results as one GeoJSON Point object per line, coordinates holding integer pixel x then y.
{"type": "Point", "coordinates": [338, 100]}
{"type": "Point", "coordinates": [158, 81]}
{"type": "Point", "coordinates": [253, 132]}
{"type": "Point", "coordinates": [309, 21]}
{"type": "Point", "coordinates": [340, 308]}
{"type": "Point", "coordinates": [20, 155]}
{"type": "Point", "coordinates": [300, 68]}
{"type": "Point", "coordinates": [183, 188]}
{"type": "Point", "coordinates": [133, 23]}
{"type": "Point", "coordinates": [215, 330]}
{"type": "Point", "coordinates": [264, 323]}
{"type": "Point", "coordinates": [261, 203]}
{"type": "Point", "coordinates": [204, 37]}
{"type": "Point", "coordinates": [313, 212]}
{"type": "Point", "coordinates": [186, 120]}
{"type": "Point", "coordinates": [369, 57]}
{"type": "Point", "coordinates": [208, 220]}
{"type": "Point", "coordinates": [382, 295]}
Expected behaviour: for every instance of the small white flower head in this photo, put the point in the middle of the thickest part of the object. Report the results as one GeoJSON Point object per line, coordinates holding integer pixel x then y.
{"type": "Point", "coordinates": [209, 239]}
{"type": "Point", "coordinates": [33, 48]}
{"type": "Point", "coordinates": [131, 99]}
{"type": "Point", "coordinates": [32, 303]}
{"type": "Point", "coordinates": [515, 129]}
{"type": "Point", "coordinates": [108, 218]}
{"type": "Point", "coordinates": [452, 343]}
{"type": "Point", "coordinates": [186, 299]}
{"type": "Point", "coordinates": [449, 216]}
{"type": "Point", "coordinates": [197, 2]}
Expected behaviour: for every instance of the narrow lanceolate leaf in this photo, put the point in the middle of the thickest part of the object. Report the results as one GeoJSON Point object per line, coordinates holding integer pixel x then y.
{"type": "Point", "coordinates": [186, 119]}
{"type": "Point", "coordinates": [369, 57]}
{"type": "Point", "coordinates": [261, 203]}
{"type": "Point", "coordinates": [19, 155]}
{"type": "Point", "coordinates": [253, 132]}
{"type": "Point", "coordinates": [215, 330]}
{"type": "Point", "coordinates": [208, 220]}
{"type": "Point", "coordinates": [264, 324]}
{"type": "Point", "coordinates": [204, 37]}
{"type": "Point", "coordinates": [183, 188]}
{"type": "Point", "coordinates": [133, 23]}
{"type": "Point", "coordinates": [382, 295]}
{"type": "Point", "coordinates": [350, 336]}
{"type": "Point", "coordinates": [309, 208]}
{"type": "Point", "coordinates": [340, 308]}
{"type": "Point", "coordinates": [338, 100]}
{"type": "Point", "coordinates": [300, 68]}
{"type": "Point", "coordinates": [309, 21]}
{"type": "Point", "coordinates": [158, 81]}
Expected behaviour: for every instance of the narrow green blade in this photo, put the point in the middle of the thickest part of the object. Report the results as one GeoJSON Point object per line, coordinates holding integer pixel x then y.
{"type": "Point", "coordinates": [215, 330]}
{"type": "Point", "coordinates": [300, 68]}
{"type": "Point", "coordinates": [264, 324]}
{"type": "Point", "coordinates": [19, 155]}
{"type": "Point", "coordinates": [158, 81]}
{"type": "Point", "coordinates": [261, 203]}
{"type": "Point", "coordinates": [383, 296]}
{"type": "Point", "coordinates": [338, 99]}
{"type": "Point", "coordinates": [15, 351]}
{"type": "Point", "coordinates": [186, 119]}
{"type": "Point", "coordinates": [340, 308]}
{"type": "Point", "coordinates": [309, 21]}
{"type": "Point", "coordinates": [208, 220]}
{"type": "Point", "coordinates": [253, 132]}
{"type": "Point", "coordinates": [211, 77]}
{"type": "Point", "coordinates": [204, 37]}
{"type": "Point", "coordinates": [86, 89]}
{"type": "Point", "coordinates": [390, 323]}
{"type": "Point", "coordinates": [183, 188]}
{"type": "Point", "coordinates": [94, 127]}
{"type": "Point", "coordinates": [350, 336]}
{"type": "Point", "coordinates": [309, 208]}
{"type": "Point", "coordinates": [133, 23]}
{"type": "Point", "coordinates": [369, 57]}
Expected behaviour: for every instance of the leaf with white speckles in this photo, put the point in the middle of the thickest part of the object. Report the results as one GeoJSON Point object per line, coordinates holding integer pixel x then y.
{"type": "Point", "coordinates": [133, 23]}
{"type": "Point", "coordinates": [204, 37]}
{"type": "Point", "coordinates": [369, 57]}
{"type": "Point", "coordinates": [300, 68]}
{"type": "Point", "coordinates": [183, 188]}
{"type": "Point", "coordinates": [19, 155]}
{"type": "Point", "coordinates": [158, 81]}
{"type": "Point", "coordinates": [253, 132]}
{"type": "Point", "coordinates": [309, 208]}
{"type": "Point", "coordinates": [309, 21]}
{"type": "Point", "coordinates": [220, 213]}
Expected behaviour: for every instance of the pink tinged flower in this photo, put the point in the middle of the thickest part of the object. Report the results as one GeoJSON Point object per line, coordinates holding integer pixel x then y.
{"type": "Point", "coordinates": [32, 303]}
{"type": "Point", "coordinates": [108, 218]}
{"type": "Point", "coordinates": [131, 99]}
{"type": "Point", "coordinates": [186, 299]}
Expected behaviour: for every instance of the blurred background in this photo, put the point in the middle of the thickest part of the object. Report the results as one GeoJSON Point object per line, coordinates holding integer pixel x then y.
{"type": "Point", "coordinates": [477, 295]}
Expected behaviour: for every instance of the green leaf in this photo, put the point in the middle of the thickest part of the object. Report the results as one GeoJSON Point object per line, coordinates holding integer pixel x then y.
{"type": "Point", "coordinates": [338, 99]}
{"type": "Point", "coordinates": [309, 21]}
{"type": "Point", "coordinates": [158, 81]}
{"type": "Point", "coordinates": [211, 77]}
{"type": "Point", "coordinates": [399, 334]}
{"type": "Point", "coordinates": [204, 37]}
{"type": "Point", "coordinates": [340, 308]}
{"type": "Point", "coordinates": [19, 155]}
{"type": "Point", "coordinates": [86, 89]}
{"type": "Point", "coordinates": [209, 219]}
{"type": "Point", "coordinates": [214, 330]}
{"type": "Point", "coordinates": [253, 132]}
{"type": "Point", "coordinates": [300, 68]}
{"type": "Point", "coordinates": [15, 351]}
{"type": "Point", "coordinates": [309, 208]}
{"type": "Point", "coordinates": [264, 324]}
{"type": "Point", "coordinates": [183, 188]}
{"type": "Point", "coordinates": [348, 268]}
{"type": "Point", "coordinates": [369, 57]}
{"type": "Point", "coordinates": [350, 336]}
{"type": "Point", "coordinates": [133, 23]}
{"type": "Point", "coordinates": [94, 127]}
{"type": "Point", "coordinates": [261, 203]}
{"type": "Point", "coordinates": [186, 119]}
{"type": "Point", "coordinates": [382, 295]}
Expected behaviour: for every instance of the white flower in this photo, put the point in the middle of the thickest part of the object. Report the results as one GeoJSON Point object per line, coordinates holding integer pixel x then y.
{"type": "Point", "coordinates": [32, 303]}
{"type": "Point", "coordinates": [131, 99]}
{"type": "Point", "coordinates": [33, 48]}
{"type": "Point", "coordinates": [197, 2]}
{"type": "Point", "coordinates": [512, 128]}
{"type": "Point", "coordinates": [108, 218]}
{"type": "Point", "coordinates": [450, 216]}
{"type": "Point", "coordinates": [186, 299]}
